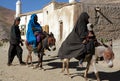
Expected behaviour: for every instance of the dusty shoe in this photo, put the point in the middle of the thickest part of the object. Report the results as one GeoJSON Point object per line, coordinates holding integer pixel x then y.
{"type": "Point", "coordinates": [9, 64]}
{"type": "Point", "coordinates": [22, 63]}
{"type": "Point", "coordinates": [31, 65]}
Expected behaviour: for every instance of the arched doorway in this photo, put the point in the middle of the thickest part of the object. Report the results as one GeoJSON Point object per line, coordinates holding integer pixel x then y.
{"type": "Point", "coordinates": [61, 29]}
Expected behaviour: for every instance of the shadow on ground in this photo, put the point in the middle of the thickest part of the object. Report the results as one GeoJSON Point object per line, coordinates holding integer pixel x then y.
{"type": "Point", "coordinates": [109, 76]}
{"type": "Point", "coordinates": [72, 65]}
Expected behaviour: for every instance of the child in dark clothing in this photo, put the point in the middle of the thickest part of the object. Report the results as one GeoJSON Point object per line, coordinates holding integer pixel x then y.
{"type": "Point", "coordinates": [88, 42]}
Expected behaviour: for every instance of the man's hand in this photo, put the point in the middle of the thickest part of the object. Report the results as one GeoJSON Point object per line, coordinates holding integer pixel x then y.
{"type": "Point", "coordinates": [84, 41]}
{"type": "Point", "coordinates": [22, 40]}
{"type": "Point", "coordinates": [22, 44]}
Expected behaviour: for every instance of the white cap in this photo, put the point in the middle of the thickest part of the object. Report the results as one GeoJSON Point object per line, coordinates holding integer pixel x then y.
{"type": "Point", "coordinates": [90, 26]}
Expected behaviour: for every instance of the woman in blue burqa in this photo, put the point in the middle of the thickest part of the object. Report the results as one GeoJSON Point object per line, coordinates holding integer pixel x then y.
{"type": "Point", "coordinates": [75, 44]}
{"type": "Point", "coordinates": [33, 31]}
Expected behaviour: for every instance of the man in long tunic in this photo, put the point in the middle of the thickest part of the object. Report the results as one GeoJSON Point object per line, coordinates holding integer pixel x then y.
{"type": "Point", "coordinates": [15, 41]}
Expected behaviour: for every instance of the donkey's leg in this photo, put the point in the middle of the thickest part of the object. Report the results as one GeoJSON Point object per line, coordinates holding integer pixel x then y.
{"type": "Point", "coordinates": [95, 71]}
{"type": "Point", "coordinates": [67, 66]}
{"type": "Point", "coordinates": [39, 55]}
{"type": "Point", "coordinates": [94, 67]}
{"type": "Point", "coordinates": [38, 62]}
{"type": "Point", "coordinates": [41, 60]}
{"type": "Point", "coordinates": [29, 52]}
{"type": "Point", "coordinates": [88, 66]}
{"type": "Point", "coordinates": [87, 69]}
{"type": "Point", "coordinates": [29, 57]}
{"type": "Point", "coordinates": [63, 65]}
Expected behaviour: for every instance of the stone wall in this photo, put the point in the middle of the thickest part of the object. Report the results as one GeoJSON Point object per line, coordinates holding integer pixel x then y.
{"type": "Point", "coordinates": [103, 28]}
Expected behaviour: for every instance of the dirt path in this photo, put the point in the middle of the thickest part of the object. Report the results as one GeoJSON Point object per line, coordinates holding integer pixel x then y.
{"type": "Point", "coordinates": [53, 66]}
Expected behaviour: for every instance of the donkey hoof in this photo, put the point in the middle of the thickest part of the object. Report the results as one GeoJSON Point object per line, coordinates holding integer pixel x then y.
{"type": "Point", "coordinates": [62, 71]}
{"type": "Point", "coordinates": [41, 68]}
{"type": "Point", "coordinates": [34, 67]}
{"type": "Point", "coordinates": [44, 69]}
{"type": "Point", "coordinates": [86, 78]}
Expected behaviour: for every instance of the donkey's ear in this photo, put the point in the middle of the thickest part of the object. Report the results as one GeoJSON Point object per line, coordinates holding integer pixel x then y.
{"type": "Point", "coordinates": [51, 34]}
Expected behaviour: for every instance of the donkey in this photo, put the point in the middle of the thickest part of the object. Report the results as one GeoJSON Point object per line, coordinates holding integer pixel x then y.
{"type": "Point", "coordinates": [47, 43]}
{"type": "Point", "coordinates": [100, 51]}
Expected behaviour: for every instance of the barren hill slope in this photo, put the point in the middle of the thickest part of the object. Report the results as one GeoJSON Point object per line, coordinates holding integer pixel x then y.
{"type": "Point", "coordinates": [6, 20]}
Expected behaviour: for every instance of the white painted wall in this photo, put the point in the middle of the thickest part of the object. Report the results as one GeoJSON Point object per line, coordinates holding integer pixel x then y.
{"type": "Point", "coordinates": [40, 19]}
{"type": "Point", "coordinates": [51, 16]}
{"type": "Point", "coordinates": [23, 20]}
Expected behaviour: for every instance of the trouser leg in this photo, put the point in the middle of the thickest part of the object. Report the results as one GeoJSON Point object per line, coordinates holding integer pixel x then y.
{"type": "Point", "coordinates": [11, 54]}
{"type": "Point", "coordinates": [82, 58]}
{"type": "Point", "coordinates": [91, 47]}
{"type": "Point", "coordinates": [19, 53]}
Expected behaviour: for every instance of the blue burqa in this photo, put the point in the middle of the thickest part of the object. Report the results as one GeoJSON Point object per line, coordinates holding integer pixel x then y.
{"type": "Point", "coordinates": [31, 38]}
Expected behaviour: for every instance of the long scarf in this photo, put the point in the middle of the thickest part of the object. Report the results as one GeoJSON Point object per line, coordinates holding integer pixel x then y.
{"type": "Point", "coordinates": [31, 39]}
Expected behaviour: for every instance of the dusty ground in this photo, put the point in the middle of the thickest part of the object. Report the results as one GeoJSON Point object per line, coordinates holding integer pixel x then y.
{"type": "Point", "coordinates": [53, 66]}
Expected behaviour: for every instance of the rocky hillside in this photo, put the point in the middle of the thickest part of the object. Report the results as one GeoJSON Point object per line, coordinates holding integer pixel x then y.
{"type": "Point", "coordinates": [6, 20]}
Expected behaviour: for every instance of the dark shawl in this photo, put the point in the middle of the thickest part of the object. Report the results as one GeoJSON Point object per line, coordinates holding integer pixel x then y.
{"type": "Point", "coordinates": [72, 46]}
